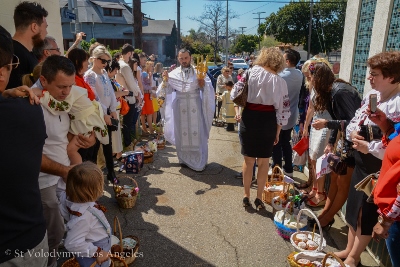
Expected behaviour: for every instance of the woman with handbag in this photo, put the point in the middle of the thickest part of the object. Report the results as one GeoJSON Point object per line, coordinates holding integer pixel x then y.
{"type": "Point", "coordinates": [318, 138]}
{"type": "Point", "coordinates": [119, 92]}
{"type": "Point", "coordinates": [266, 110]}
{"type": "Point", "coordinates": [341, 100]}
{"type": "Point", "coordinates": [361, 215]}
{"type": "Point", "coordinates": [98, 79]}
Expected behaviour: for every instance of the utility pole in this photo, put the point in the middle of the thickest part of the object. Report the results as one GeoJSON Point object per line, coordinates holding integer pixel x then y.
{"type": "Point", "coordinates": [242, 29]}
{"type": "Point", "coordinates": [259, 22]}
{"type": "Point", "coordinates": [310, 29]}
{"type": "Point", "coordinates": [75, 10]}
{"type": "Point", "coordinates": [137, 23]}
{"type": "Point", "coordinates": [226, 36]}
{"type": "Point", "coordinates": [178, 8]}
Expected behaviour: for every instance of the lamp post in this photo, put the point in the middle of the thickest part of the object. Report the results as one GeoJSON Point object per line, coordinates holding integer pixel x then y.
{"type": "Point", "coordinates": [259, 22]}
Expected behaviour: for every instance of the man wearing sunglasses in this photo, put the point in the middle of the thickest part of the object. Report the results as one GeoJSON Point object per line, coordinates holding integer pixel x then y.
{"type": "Point", "coordinates": [23, 223]}
{"type": "Point", "coordinates": [30, 31]}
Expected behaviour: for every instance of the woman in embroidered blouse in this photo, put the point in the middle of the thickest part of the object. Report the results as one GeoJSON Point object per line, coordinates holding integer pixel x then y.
{"type": "Point", "coordinates": [384, 77]}
{"type": "Point", "coordinates": [98, 79]}
{"type": "Point", "coordinates": [88, 231]}
{"type": "Point", "coordinates": [267, 109]}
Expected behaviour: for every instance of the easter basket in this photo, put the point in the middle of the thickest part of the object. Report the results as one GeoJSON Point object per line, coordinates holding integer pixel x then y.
{"type": "Point", "coordinates": [293, 263]}
{"type": "Point", "coordinates": [74, 263]}
{"type": "Point", "coordinates": [274, 185]}
{"type": "Point", "coordinates": [125, 249]}
{"type": "Point", "coordinates": [317, 243]}
{"type": "Point", "coordinates": [126, 195]}
{"type": "Point", "coordinates": [148, 157]}
{"type": "Point", "coordinates": [285, 223]}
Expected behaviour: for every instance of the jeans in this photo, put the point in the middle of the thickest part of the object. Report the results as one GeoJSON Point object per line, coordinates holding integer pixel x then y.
{"type": "Point", "coordinates": [393, 244]}
{"type": "Point", "coordinates": [283, 147]}
{"type": "Point", "coordinates": [129, 124]}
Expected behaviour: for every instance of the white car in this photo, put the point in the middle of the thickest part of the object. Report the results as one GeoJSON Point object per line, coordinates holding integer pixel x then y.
{"type": "Point", "coordinates": [239, 63]}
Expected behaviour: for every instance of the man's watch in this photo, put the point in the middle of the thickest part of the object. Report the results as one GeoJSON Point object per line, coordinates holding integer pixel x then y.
{"type": "Point", "coordinates": [384, 222]}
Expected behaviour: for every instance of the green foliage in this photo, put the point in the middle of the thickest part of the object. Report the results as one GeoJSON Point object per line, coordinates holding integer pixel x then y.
{"type": "Point", "coordinates": [269, 41]}
{"type": "Point", "coordinates": [245, 43]}
{"type": "Point", "coordinates": [112, 52]}
{"type": "Point", "coordinates": [85, 45]}
{"type": "Point", "coordinates": [291, 23]}
{"type": "Point", "coordinates": [138, 51]}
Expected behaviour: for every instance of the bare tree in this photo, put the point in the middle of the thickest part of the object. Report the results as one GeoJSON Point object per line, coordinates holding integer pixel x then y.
{"type": "Point", "coordinates": [213, 24]}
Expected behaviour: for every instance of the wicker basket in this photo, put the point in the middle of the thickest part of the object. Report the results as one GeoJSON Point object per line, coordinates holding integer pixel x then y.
{"type": "Point", "coordinates": [148, 158]}
{"type": "Point", "coordinates": [128, 257]}
{"type": "Point", "coordinates": [319, 238]}
{"type": "Point", "coordinates": [284, 231]}
{"type": "Point", "coordinates": [275, 179]}
{"type": "Point", "coordinates": [126, 202]}
{"type": "Point", "coordinates": [74, 263]}
{"type": "Point", "coordinates": [161, 146]}
{"type": "Point", "coordinates": [293, 263]}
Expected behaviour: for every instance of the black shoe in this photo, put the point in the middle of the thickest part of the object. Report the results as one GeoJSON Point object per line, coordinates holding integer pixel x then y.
{"type": "Point", "coordinates": [112, 178]}
{"type": "Point", "coordinates": [239, 175]}
{"type": "Point", "coordinates": [246, 202]}
{"type": "Point", "coordinates": [259, 204]}
{"type": "Point", "coordinates": [254, 181]}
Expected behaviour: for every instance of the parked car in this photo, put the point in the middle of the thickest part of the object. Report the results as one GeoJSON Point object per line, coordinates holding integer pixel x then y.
{"type": "Point", "coordinates": [239, 63]}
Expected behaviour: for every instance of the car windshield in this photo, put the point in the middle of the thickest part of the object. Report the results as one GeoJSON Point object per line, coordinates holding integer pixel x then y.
{"type": "Point", "coordinates": [235, 61]}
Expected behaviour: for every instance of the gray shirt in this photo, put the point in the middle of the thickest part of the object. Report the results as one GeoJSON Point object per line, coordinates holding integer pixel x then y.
{"type": "Point", "coordinates": [293, 78]}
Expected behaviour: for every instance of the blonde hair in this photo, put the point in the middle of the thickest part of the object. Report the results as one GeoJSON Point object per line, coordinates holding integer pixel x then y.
{"type": "Point", "coordinates": [148, 66]}
{"type": "Point", "coordinates": [98, 52]}
{"type": "Point", "coordinates": [226, 68]}
{"type": "Point", "coordinates": [85, 183]}
{"type": "Point", "coordinates": [31, 78]}
{"type": "Point", "coordinates": [313, 60]}
{"type": "Point", "coordinates": [272, 58]}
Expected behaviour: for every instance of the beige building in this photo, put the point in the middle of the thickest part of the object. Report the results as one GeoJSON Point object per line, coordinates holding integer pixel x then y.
{"type": "Point", "coordinates": [53, 19]}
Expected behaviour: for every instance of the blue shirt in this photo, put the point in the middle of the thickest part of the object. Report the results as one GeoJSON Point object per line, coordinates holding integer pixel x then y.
{"type": "Point", "coordinates": [293, 78]}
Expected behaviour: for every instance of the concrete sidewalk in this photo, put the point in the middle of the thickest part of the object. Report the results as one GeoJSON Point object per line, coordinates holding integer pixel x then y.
{"type": "Point", "coordinates": [188, 218]}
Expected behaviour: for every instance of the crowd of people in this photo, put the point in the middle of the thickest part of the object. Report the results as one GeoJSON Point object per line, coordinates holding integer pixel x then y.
{"type": "Point", "coordinates": [70, 108]}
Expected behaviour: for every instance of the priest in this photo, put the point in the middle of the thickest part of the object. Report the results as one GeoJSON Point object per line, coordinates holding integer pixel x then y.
{"type": "Point", "coordinates": [189, 110]}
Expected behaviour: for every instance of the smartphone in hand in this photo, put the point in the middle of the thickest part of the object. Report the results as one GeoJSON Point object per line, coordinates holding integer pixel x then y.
{"type": "Point", "coordinates": [373, 102]}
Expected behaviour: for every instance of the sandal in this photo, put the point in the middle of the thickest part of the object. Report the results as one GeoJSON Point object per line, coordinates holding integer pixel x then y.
{"type": "Point", "coordinates": [302, 185]}
{"type": "Point", "coordinates": [307, 192]}
{"type": "Point", "coordinates": [311, 203]}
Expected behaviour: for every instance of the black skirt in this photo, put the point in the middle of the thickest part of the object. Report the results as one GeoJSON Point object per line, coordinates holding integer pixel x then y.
{"type": "Point", "coordinates": [257, 133]}
{"type": "Point", "coordinates": [365, 164]}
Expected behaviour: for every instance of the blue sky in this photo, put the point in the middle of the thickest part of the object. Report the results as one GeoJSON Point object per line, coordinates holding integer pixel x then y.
{"type": "Point", "coordinates": [165, 10]}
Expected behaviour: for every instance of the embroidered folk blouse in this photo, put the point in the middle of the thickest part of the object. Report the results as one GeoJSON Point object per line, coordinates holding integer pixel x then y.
{"type": "Point", "coordinates": [390, 107]}
{"type": "Point", "coordinates": [266, 88]}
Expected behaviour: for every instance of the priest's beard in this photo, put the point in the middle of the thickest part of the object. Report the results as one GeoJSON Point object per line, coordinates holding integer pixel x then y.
{"type": "Point", "coordinates": [37, 40]}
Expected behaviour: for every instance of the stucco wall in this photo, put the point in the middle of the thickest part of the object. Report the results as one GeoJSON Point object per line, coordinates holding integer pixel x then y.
{"type": "Point", "coordinates": [53, 19]}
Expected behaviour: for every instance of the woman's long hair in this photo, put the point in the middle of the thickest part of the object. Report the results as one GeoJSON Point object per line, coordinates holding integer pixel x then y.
{"type": "Point", "coordinates": [323, 81]}
{"type": "Point", "coordinates": [131, 64]}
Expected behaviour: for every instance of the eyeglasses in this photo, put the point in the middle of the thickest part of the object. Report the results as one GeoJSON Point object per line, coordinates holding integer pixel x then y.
{"type": "Point", "coordinates": [227, 71]}
{"type": "Point", "coordinates": [15, 63]}
{"type": "Point", "coordinates": [104, 61]}
{"type": "Point", "coordinates": [57, 49]}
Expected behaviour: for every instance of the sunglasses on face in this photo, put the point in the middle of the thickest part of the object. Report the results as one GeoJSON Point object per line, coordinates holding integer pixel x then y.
{"type": "Point", "coordinates": [104, 61]}
{"type": "Point", "coordinates": [57, 49]}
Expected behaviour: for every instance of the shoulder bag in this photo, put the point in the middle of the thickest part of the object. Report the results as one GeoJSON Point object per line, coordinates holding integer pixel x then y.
{"type": "Point", "coordinates": [241, 98]}
{"type": "Point", "coordinates": [336, 162]}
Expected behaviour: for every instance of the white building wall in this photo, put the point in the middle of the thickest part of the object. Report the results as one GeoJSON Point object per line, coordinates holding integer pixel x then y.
{"type": "Point", "coordinates": [53, 19]}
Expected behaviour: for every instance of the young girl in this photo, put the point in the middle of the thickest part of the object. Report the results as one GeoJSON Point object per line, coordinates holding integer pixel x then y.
{"type": "Point", "coordinates": [88, 231]}
{"type": "Point", "coordinates": [147, 110]}
{"type": "Point", "coordinates": [228, 109]}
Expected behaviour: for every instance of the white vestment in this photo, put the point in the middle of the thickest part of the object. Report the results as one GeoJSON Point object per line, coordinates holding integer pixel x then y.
{"type": "Point", "coordinates": [189, 112]}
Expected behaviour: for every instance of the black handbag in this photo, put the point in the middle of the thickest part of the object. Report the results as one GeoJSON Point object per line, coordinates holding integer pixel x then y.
{"type": "Point", "coordinates": [370, 132]}
{"type": "Point", "coordinates": [336, 161]}
{"type": "Point", "coordinates": [114, 125]}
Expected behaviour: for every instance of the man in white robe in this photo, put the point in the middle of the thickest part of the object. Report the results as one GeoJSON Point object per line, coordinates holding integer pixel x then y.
{"type": "Point", "coordinates": [189, 110]}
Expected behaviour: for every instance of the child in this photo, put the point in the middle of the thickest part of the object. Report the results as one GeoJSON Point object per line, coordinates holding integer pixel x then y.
{"type": "Point", "coordinates": [88, 231]}
{"type": "Point", "coordinates": [228, 110]}
{"type": "Point", "coordinates": [86, 115]}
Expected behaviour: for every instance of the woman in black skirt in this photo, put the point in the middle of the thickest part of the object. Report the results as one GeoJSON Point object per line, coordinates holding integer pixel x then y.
{"type": "Point", "coordinates": [267, 109]}
{"type": "Point", "coordinates": [361, 215]}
